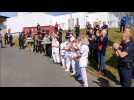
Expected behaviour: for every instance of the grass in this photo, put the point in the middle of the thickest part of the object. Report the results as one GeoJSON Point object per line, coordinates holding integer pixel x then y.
{"type": "Point", "coordinates": [111, 61]}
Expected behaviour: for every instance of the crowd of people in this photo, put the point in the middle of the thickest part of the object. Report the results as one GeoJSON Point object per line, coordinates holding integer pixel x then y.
{"type": "Point", "coordinates": [74, 51]}
{"type": "Point", "coordinates": [8, 39]}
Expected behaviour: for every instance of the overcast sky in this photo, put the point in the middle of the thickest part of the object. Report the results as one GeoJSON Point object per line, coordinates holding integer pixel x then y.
{"type": "Point", "coordinates": [12, 14]}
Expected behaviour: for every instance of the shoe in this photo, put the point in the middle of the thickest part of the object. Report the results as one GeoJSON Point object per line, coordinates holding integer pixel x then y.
{"type": "Point", "coordinates": [66, 70]}
{"type": "Point", "coordinates": [72, 74]}
{"type": "Point", "coordinates": [98, 74]}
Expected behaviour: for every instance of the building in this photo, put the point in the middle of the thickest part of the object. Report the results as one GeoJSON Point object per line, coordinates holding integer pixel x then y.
{"type": "Point", "coordinates": [31, 19]}
{"type": "Point", "coordinates": [2, 24]}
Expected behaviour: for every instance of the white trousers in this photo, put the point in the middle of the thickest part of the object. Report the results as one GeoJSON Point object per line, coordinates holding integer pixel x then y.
{"type": "Point", "coordinates": [55, 55]}
{"type": "Point", "coordinates": [67, 60]}
{"type": "Point", "coordinates": [84, 76]}
{"type": "Point", "coordinates": [63, 61]}
{"type": "Point", "coordinates": [73, 66]}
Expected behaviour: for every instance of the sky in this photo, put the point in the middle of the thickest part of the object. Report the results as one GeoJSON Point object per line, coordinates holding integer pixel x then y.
{"type": "Point", "coordinates": [12, 14]}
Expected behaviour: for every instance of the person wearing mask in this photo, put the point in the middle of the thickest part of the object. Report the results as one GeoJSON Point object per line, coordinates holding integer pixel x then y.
{"type": "Point", "coordinates": [125, 53]}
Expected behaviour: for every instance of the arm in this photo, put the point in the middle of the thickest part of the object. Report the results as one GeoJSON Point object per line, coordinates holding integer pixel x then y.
{"type": "Point", "coordinates": [121, 54]}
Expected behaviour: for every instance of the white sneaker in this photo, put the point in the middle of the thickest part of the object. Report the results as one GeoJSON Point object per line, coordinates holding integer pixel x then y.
{"type": "Point", "coordinates": [66, 70]}
{"type": "Point", "coordinates": [72, 74]}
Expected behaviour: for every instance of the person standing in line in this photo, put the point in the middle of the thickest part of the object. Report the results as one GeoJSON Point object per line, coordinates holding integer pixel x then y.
{"type": "Point", "coordinates": [83, 60]}
{"type": "Point", "coordinates": [38, 29]}
{"type": "Point", "coordinates": [1, 43]}
{"type": "Point", "coordinates": [55, 49]}
{"type": "Point", "coordinates": [56, 28]}
{"type": "Point", "coordinates": [68, 54]}
{"type": "Point", "coordinates": [6, 38]}
{"type": "Point", "coordinates": [63, 52]}
{"type": "Point", "coordinates": [73, 54]}
{"type": "Point", "coordinates": [11, 40]}
{"type": "Point", "coordinates": [77, 30]}
{"type": "Point", "coordinates": [60, 35]}
{"type": "Point", "coordinates": [21, 40]}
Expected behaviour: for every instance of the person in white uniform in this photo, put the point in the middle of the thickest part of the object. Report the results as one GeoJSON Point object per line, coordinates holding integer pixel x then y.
{"type": "Point", "coordinates": [83, 60]}
{"type": "Point", "coordinates": [62, 53]}
{"type": "Point", "coordinates": [73, 54]}
{"type": "Point", "coordinates": [55, 49]}
{"type": "Point", "coordinates": [67, 55]}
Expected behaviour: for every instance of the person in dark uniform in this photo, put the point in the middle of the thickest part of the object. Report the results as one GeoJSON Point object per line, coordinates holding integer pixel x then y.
{"type": "Point", "coordinates": [105, 26]}
{"type": "Point", "coordinates": [38, 29]}
{"type": "Point", "coordinates": [21, 40]}
{"type": "Point", "coordinates": [60, 35]}
{"type": "Point", "coordinates": [125, 54]}
{"type": "Point", "coordinates": [11, 40]}
{"type": "Point", "coordinates": [122, 24]}
{"type": "Point", "coordinates": [6, 38]}
{"type": "Point", "coordinates": [96, 28]}
{"type": "Point", "coordinates": [69, 33]}
{"type": "Point", "coordinates": [56, 27]}
{"type": "Point", "coordinates": [77, 30]}
{"type": "Point", "coordinates": [1, 44]}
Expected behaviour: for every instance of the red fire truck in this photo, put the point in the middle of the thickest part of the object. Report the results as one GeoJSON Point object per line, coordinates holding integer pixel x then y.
{"type": "Point", "coordinates": [49, 28]}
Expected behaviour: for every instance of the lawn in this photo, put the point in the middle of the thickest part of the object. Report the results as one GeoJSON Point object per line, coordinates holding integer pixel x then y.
{"type": "Point", "coordinates": [111, 62]}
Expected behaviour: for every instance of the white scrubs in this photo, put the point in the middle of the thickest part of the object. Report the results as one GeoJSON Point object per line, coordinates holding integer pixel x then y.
{"type": "Point", "coordinates": [83, 61]}
{"type": "Point", "coordinates": [55, 50]}
{"type": "Point", "coordinates": [73, 54]}
{"type": "Point", "coordinates": [67, 59]}
{"type": "Point", "coordinates": [62, 53]}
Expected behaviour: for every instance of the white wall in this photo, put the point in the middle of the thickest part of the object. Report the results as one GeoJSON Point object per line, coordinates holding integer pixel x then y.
{"type": "Point", "coordinates": [109, 18]}
{"type": "Point", "coordinates": [31, 19]}
{"type": "Point", "coordinates": [17, 23]}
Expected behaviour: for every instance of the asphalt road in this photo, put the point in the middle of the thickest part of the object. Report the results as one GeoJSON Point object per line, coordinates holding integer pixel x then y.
{"type": "Point", "coordinates": [20, 68]}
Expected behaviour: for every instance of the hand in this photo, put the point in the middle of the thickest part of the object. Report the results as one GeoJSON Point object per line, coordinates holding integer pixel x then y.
{"type": "Point", "coordinates": [116, 46]}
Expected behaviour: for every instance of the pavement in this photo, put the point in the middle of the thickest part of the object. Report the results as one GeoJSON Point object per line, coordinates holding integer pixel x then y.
{"type": "Point", "coordinates": [21, 68]}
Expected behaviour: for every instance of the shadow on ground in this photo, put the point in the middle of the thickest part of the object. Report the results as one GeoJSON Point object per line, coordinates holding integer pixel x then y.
{"type": "Point", "coordinates": [111, 62]}
{"type": "Point", "coordinates": [102, 82]}
{"type": "Point", "coordinates": [109, 75]}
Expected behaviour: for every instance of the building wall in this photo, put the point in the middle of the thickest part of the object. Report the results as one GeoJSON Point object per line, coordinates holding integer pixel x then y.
{"type": "Point", "coordinates": [17, 23]}
{"type": "Point", "coordinates": [31, 19]}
